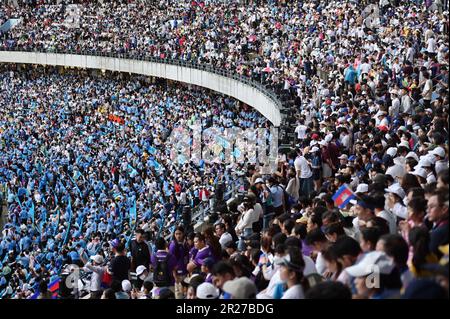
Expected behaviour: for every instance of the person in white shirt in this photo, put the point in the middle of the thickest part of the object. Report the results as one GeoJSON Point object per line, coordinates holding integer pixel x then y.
{"type": "Point", "coordinates": [291, 274]}
{"type": "Point", "coordinates": [394, 110]}
{"type": "Point", "coordinates": [300, 130]}
{"type": "Point", "coordinates": [381, 119]}
{"type": "Point", "coordinates": [345, 139]}
{"type": "Point", "coordinates": [431, 45]}
{"type": "Point", "coordinates": [405, 102]}
{"type": "Point", "coordinates": [97, 270]}
{"type": "Point", "coordinates": [394, 201]}
{"type": "Point", "coordinates": [410, 54]}
{"type": "Point", "coordinates": [303, 169]}
{"type": "Point", "coordinates": [441, 164]}
{"type": "Point", "coordinates": [427, 91]}
{"type": "Point", "coordinates": [244, 226]}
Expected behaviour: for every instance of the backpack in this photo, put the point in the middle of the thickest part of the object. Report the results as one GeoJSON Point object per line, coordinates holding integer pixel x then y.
{"type": "Point", "coordinates": [286, 198]}
{"type": "Point", "coordinates": [161, 275]}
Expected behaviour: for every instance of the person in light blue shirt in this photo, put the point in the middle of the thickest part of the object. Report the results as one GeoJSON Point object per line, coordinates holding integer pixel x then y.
{"type": "Point", "coordinates": [350, 75]}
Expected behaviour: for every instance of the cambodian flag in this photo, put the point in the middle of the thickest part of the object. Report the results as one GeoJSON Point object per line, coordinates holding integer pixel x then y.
{"type": "Point", "coordinates": [53, 287]}
{"type": "Point", "coordinates": [343, 196]}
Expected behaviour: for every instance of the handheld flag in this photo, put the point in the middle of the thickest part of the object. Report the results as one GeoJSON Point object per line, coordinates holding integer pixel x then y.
{"type": "Point", "coordinates": [343, 196]}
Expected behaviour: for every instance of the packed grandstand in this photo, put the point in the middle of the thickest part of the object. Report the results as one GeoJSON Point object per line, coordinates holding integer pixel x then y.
{"type": "Point", "coordinates": [120, 185]}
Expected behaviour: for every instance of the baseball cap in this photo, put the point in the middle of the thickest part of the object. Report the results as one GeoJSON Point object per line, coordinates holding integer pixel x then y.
{"type": "Point", "coordinates": [364, 201]}
{"type": "Point", "coordinates": [98, 259]}
{"type": "Point", "coordinates": [208, 262]}
{"type": "Point", "coordinates": [424, 162]}
{"type": "Point", "coordinates": [126, 285]}
{"type": "Point", "coordinates": [396, 171]}
{"type": "Point", "coordinates": [404, 144]}
{"type": "Point", "coordinates": [419, 171]}
{"type": "Point", "coordinates": [372, 261]}
{"type": "Point", "coordinates": [396, 189]}
{"type": "Point", "coordinates": [259, 180]}
{"type": "Point", "coordinates": [114, 243]}
{"type": "Point", "coordinates": [286, 261]}
{"type": "Point", "coordinates": [392, 151]}
{"type": "Point", "coordinates": [438, 151]}
{"type": "Point", "coordinates": [240, 288]}
{"type": "Point", "coordinates": [140, 270]}
{"type": "Point", "coordinates": [207, 290]}
{"type": "Point", "coordinates": [412, 155]}
{"type": "Point", "coordinates": [314, 149]}
{"type": "Point", "coordinates": [362, 188]}
{"type": "Point", "coordinates": [343, 156]}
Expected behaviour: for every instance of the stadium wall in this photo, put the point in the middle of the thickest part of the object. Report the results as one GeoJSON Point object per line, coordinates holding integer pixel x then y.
{"type": "Point", "coordinates": [245, 92]}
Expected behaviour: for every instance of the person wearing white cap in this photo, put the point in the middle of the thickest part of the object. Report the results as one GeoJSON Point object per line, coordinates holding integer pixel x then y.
{"type": "Point", "coordinates": [240, 288]}
{"type": "Point", "coordinates": [396, 171]}
{"type": "Point", "coordinates": [412, 155]}
{"type": "Point", "coordinates": [95, 285]}
{"type": "Point", "coordinates": [421, 175]}
{"type": "Point", "coordinates": [126, 290]}
{"type": "Point", "coordinates": [394, 200]}
{"type": "Point", "coordinates": [142, 273]}
{"type": "Point", "coordinates": [391, 151]}
{"type": "Point", "coordinates": [362, 189]}
{"type": "Point", "coordinates": [427, 165]}
{"type": "Point", "coordinates": [440, 164]}
{"type": "Point", "coordinates": [372, 262]}
{"type": "Point", "coordinates": [404, 144]}
{"type": "Point", "coordinates": [207, 290]}
{"type": "Point", "coordinates": [343, 159]}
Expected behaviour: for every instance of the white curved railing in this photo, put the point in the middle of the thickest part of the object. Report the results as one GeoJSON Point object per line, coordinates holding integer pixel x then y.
{"type": "Point", "coordinates": [238, 87]}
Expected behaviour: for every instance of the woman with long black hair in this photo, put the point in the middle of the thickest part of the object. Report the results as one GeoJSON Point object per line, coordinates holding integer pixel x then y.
{"type": "Point", "coordinates": [419, 239]}
{"type": "Point", "coordinates": [179, 248]}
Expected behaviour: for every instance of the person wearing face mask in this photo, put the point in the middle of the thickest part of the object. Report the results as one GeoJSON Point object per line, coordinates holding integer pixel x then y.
{"type": "Point", "coordinates": [143, 274]}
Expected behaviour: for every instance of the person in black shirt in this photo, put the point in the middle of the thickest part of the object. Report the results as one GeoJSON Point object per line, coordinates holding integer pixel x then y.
{"type": "Point", "coordinates": [140, 251]}
{"type": "Point", "coordinates": [119, 266]}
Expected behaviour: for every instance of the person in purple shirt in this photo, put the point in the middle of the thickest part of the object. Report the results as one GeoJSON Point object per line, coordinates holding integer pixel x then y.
{"type": "Point", "coordinates": [203, 252]}
{"type": "Point", "coordinates": [180, 249]}
{"type": "Point", "coordinates": [164, 265]}
{"type": "Point", "coordinates": [206, 268]}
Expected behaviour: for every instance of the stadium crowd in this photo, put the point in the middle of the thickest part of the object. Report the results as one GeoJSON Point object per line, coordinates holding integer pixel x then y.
{"type": "Point", "coordinates": [371, 107]}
